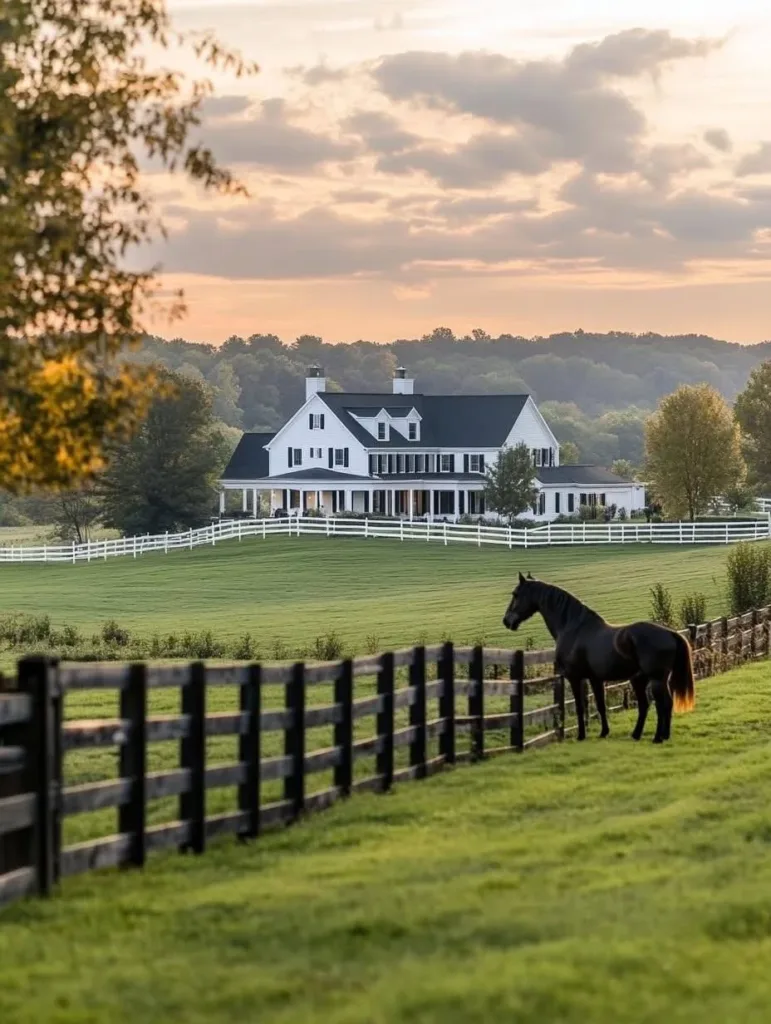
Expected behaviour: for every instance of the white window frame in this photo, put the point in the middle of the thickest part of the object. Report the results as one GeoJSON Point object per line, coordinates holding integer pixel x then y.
{"type": "Point", "coordinates": [475, 463]}
{"type": "Point", "coordinates": [297, 457]}
{"type": "Point", "coordinates": [442, 468]}
{"type": "Point", "coordinates": [341, 460]}
{"type": "Point", "coordinates": [315, 421]}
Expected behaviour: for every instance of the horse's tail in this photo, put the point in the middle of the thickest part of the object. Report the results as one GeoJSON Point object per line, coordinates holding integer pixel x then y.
{"type": "Point", "coordinates": [681, 682]}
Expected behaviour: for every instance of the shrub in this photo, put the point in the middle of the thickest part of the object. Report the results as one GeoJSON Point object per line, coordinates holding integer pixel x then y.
{"type": "Point", "coordinates": [372, 643]}
{"type": "Point", "coordinates": [748, 570]}
{"type": "Point", "coordinates": [280, 650]}
{"type": "Point", "coordinates": [112, 633]}
{"type": "Point", "coordinates": [661, 606]}
{"type": "Point", "coordinates": [201, 645]}
{"type": "Point", "coordinates": [25, 630]}
{"type": "Point", "coordinates": [693, 609]}
{"type": "Point", "coordinates": [245, 648]}
{"type": "Point", "coordinates": [328, 647]}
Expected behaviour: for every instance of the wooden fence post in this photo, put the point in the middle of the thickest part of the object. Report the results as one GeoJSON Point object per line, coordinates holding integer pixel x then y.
{"type": "Point", "coordinates": [476, 703]}
{"type": "Point", "coordinates": [193, 758]}
{"type": "Point", "coordinates": [250, 751]}
{"type": "Point", "coordinates": [294, 740]}
{"type": "Point", "coordinates": [37, 680]}
{"type": "Point", "coordinates": [517, 700]}
{"type": "Point", "coordinates": [447, 702]}
{"type": "Point", "coordinates": [418, 712]}
{"type": "Point", "coordinates": [698, 662]}
{"type": "Point", "coordinates": [132, 816]}
{"type": "Point", "coordinates": [344, 728]}
{"type": "Point", "coordinates": [385, 720]}
{"type": "Point", "coordinates": [559, 701]}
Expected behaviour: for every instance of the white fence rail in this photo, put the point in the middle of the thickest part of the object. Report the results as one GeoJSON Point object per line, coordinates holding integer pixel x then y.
{"type": "Point", "coordinates": [542, 536]}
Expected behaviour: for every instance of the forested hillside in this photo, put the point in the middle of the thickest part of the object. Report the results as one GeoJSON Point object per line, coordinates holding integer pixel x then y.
{"type": "Point", "coordinates": [595, 389]}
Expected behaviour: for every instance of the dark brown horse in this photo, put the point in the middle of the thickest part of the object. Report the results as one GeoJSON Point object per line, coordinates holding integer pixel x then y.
{"type": "Point", "coordinates": [590, 648]}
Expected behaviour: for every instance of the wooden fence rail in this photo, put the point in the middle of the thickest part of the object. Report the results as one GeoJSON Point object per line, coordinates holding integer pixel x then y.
{"type": "Point", "coordinates": [391, 717]}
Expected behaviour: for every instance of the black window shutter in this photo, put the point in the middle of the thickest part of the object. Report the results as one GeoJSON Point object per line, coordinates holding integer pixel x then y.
{"type": "Point", "coordinates": [461, 503]}
{"type": "Point", "coordinates": [322, 421]}
{"type": "Point", "coordinates": [482, 463]}
{"type": "Point", "coordinates": [310, 420]}
{"type": "Point", "coordinates": [551, 456]}
{"type": "Point", "coordinates": [289, 452]}
{"type": "Point", "coordinates": [465, 463]}
{"type": "Point", "coordinates": [452, 463]}
{"type": "Point", "coordinates": [331, 458]}
{"type": "Point", "coordinates": [345, 456]}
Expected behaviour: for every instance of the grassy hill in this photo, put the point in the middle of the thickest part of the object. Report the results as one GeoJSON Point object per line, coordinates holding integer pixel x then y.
{"type": "Point", "coordinates": [373, 593]}
{"type": "Point", "coordinates": [610, 882]}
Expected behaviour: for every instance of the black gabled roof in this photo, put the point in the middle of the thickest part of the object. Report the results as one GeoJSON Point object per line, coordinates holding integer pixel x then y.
{"type": "Point", "coordinates": [249, 461]}
{"type": "Point", "coordinates": [448, 421]}
{"type": "Point", "coordinates": [318, 474]}
{"type": "Point", "coordinates": [589, 475]}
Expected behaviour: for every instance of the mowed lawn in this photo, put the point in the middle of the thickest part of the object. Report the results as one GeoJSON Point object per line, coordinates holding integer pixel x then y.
{"type": "Point", "coordinates": [373, 593]}
{"type": "Point", "coordinates": [610, 882]}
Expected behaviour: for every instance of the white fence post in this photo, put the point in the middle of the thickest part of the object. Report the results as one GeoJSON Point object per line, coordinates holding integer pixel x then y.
{"type": "Point", "coordinates": [445, 534]}
{"type": "Point", "coordinates": [401, 529]}
{"type": "Point", "coordinates": [73, 552]}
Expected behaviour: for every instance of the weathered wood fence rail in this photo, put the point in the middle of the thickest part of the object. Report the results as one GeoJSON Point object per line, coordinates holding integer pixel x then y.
{"type": "Point", "coordinates": [390, 717]}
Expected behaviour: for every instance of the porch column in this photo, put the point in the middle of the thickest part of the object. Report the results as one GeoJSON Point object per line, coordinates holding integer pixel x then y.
{"type": "Point", "coordinates": [222, 502]}
{"type": "Point", "coordinates": [348, 499]}
{"type": "Point", "coordinates": [431, 505]}
{"type": "Point", "coordinates": [412, 503]}
{"type": "Point", "coordinates": [254, 503]}
{"type": "Point", "coordinates": [244, 499]}
{"type": "Point", "coordinates": [457, 503]}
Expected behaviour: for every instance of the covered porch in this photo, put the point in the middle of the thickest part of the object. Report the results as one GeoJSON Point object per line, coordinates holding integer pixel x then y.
{"type": "Point", "coordinates": [421, 500]}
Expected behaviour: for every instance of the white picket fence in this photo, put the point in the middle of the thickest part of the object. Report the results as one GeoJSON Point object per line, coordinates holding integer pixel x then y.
{"type": "Point", "coordinates": [542, 536]}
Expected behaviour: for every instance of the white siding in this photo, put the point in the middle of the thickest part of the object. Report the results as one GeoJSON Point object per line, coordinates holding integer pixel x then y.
{"type": "Point", "coordinates": [298, 434]}
{"type": "Point", "coordinates": [529, 429]}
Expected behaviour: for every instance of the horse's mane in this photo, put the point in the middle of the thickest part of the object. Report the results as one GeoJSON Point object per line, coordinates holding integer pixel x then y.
{"type": "Point", "coordinates": [565, 604]}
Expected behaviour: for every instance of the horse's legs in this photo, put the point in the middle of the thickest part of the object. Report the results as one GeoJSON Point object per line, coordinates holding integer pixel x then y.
{"type": "Point", "coordinates": [576, 685]}
{"type": "Point", "coordinates": [639, 684]}
{"type": "Point", "coordinates": [663, 699]}
{"type": "Point", "coordinates": [598, 689]}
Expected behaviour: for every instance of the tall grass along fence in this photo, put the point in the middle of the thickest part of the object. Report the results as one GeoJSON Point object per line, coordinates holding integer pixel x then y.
{"type": "Point", "coordinates": [101, 764]}
{"type": "Point", "coordinates": [548, 535]}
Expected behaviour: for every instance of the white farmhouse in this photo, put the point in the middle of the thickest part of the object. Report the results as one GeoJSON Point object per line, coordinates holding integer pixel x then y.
{"type": "Point", "coordinates": [408, 455]}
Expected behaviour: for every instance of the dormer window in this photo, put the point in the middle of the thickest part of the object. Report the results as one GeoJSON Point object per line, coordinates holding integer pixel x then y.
{"type": "Point", "coordinates": [413, 431]}
{"type": "Point", "coordinates": [381, 431]}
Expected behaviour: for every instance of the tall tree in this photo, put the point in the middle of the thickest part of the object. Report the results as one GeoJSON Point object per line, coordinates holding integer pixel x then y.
{"type": "Point", "coordinates": [80, 109]}
{"type": "Point", "coordinates": [624, 469]}
{"type": "Point", "coordinates": [163, 478]}
{"type": "Point", "coordinates": [510, 482]}
{"type": "Point", "coordinates": [693, 450]}
{"type": "Point", "coordinates": [753, 412]}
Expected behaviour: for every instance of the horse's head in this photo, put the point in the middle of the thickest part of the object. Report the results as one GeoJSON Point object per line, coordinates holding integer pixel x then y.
{"type": "Point", "coordinates": [523, 604]}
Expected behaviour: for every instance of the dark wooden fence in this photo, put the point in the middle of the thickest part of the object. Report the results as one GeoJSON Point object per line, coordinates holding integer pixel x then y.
{"type": "Point", "coordinates": [359, 724]}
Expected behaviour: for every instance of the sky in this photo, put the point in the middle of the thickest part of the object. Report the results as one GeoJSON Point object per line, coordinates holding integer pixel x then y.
{"type": "Point", "coordinates": [519, 167]}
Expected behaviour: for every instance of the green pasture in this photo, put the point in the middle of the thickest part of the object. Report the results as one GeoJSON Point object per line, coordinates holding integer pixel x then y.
{"type": "Point", "coordinates": [373, 593]}
{"type": "Point", "coordinates": [610, 882]}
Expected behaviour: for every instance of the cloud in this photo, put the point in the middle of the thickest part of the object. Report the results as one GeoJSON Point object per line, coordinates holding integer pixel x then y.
{"type": "Point", "coordinates": [266, 137]}
{"type": "Point", "coordinates": [624, 226]}
{"type": "Point", "coordinates": [554, 111]}
{"type": "Point", "coordinates": [485, 160]}
{"type": "Point", "coordinates": [719, 139]}
{"type": "Point", "coordinates": [758, 162]}
{"type": "Point", "coordinates": [381, 132]}
{"type": "Point", "coordinates": [318, 74]}
{"type": "Point", "coordinates": [634, 52]}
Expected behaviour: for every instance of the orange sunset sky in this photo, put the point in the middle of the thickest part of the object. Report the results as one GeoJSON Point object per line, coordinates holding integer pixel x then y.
{"type": "Point", "coordinates": [520, 167]}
